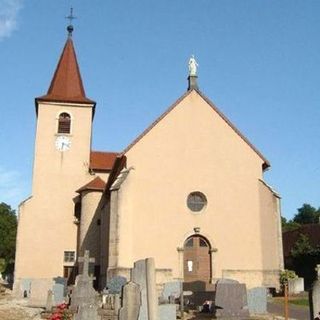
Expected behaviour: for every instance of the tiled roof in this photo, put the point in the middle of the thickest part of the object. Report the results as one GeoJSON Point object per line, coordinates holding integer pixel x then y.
{"type": "Point", "coordinates": [289, 238]}
{"type": "Point", "coordinates": [96, 184]}
{"type": "Point", "coordinates": [102, 161]}
{"type": "Point", "coordinates": [266, 163]}
{"type": "Point", "coordinates": [66, 85]}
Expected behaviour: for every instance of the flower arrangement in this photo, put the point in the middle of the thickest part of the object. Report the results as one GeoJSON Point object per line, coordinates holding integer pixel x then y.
{"type": "Point", "coordinates": [61, 313]}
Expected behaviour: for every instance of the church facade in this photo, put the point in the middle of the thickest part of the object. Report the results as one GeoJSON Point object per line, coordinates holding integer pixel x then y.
{"type": "Point", "coordinates": [189, 191]}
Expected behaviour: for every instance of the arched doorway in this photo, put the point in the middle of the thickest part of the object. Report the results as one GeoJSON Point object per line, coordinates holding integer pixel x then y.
{"type": "Point", "coordinates": [197, 259]}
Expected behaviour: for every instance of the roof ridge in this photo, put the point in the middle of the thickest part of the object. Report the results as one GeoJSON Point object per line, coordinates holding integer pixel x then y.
{"type": "Point", "coordinates": [154, 123]}
{"type": "Point", "coordinates": [266, 163]}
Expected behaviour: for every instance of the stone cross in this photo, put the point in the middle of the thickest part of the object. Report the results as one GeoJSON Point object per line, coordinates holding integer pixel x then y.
{"type": "Point", "coordinates": [86, 260]}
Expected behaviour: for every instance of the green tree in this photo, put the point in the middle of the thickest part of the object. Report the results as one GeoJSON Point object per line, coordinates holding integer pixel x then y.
{"type": "Point", "coordinates": [305, 257]}
{"type": "Point", "coordinates": [307, 214]}
{"type": "Point", "coordinates": [302, 246]}
{"type": "Point", "coordinates": [288, 225]}
{"type": "Point", "coordinates": [8, 231]}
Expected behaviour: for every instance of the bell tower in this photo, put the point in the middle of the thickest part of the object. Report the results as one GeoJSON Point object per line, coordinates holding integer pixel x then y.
{"type": "Point", "coordinates": [64, 121]}
{"type": "Point", "coordinates": [61, 159]}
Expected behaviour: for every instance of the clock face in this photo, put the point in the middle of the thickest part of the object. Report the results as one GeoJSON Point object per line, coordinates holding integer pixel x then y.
{"type": "Point", "coordinates": [63, 143]}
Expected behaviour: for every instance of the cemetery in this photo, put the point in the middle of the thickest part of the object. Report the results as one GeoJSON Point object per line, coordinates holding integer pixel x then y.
{"type": "Point", "coordinates": [140, 298]}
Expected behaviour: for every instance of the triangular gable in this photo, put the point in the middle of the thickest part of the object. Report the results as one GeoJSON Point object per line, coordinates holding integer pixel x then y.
{"type": "Point", "coordinates": [97, 184]}
{"type": "Point", "coordinates": [266, 163]}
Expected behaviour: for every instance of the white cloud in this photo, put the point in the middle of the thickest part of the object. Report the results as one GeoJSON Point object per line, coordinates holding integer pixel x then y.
{"type": "Point", "coordinates": [9, 10]}
{"type": "Point", "coordinates": [11, 187]}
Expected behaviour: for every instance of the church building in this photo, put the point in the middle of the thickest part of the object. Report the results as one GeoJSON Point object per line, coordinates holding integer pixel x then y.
{"type": "Point", "coordinates": [188, 191]}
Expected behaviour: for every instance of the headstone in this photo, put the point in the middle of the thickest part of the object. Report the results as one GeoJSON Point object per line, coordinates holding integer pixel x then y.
{"type": "Point", "coordinates": [295, 286]}
{"type": "Point", "coordinates": [25, 287]}
{"type": "Point", "coordinates": [231, 300]}
{"type": "Point", "coordinates": [131, 302]}
{"type": "Point", "coordinates": [167, 311]}
{"type": "Point", "coordinates": [58, 293]}
{"type": "Point", "coordinates": [227, 280]}
{"type": "Point", "coordinates": [315, 296]}
{"type": "Point", "coordinates": [171, 290]}
{"type": "Point", "coordinates": [143, 274]}
{"type": "Point", "coordinates": [115, 284]}
{"type": "Point", "coordinates": [38, 292]}
{"type": "Point", "coordinates": [257, 300]}
{"type": "Point", "coordinates": [50, 301]}
{"type": "Point", "coordinates": [84, 297]}
{"type": "Point", "coordinates": [110, 306]}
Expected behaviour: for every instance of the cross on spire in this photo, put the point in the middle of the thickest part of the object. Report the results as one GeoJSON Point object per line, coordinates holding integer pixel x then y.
{"type": "Point", "coordinates": [70, 17]}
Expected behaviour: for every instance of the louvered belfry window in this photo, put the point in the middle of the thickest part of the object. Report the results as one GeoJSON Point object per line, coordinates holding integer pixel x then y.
{"type": "Point", "coordinates": [64, 124]}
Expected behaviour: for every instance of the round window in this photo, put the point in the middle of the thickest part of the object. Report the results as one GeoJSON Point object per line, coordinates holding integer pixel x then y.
{"type": "Point", "coordinates": [196, 201]}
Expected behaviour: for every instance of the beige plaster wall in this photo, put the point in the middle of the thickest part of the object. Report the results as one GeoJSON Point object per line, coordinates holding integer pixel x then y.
{"type": "Point", "coordinates": [271, 233]}
{"type": "Point", "coordinates": [191, 149]}
{"type": "Point", "coordinates": [89, 237]}
{"type": "Point", "coordinates": [46, 227]}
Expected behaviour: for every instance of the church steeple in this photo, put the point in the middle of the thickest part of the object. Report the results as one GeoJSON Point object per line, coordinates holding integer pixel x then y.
{"type": "Point", "coordinates": [66, 84]}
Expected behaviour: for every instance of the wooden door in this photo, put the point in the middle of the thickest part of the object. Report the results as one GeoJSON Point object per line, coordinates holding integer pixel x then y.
{"type": "Point", "coordinates": [197, 260]}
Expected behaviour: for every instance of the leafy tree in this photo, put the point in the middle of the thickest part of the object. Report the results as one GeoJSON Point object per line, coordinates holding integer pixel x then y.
{"type": "Point", "coordinates": [8, 231]}
{"type": "Point", "coordinates": [302, 246]}
{"type": "Point", "coordinates": [288, 225]}
{"type": "Point", "coordinates": [307, 214]}
{"type": "Point", "coordinates": [305, 257]}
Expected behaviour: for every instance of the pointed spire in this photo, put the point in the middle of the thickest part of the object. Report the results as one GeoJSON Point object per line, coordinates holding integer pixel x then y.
{"type": "Point", "coordinates": [66, 84]}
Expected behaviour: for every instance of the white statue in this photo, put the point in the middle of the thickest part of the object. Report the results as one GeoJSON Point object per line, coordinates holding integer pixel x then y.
{"type": "Point", "coordinates": [193, 66]}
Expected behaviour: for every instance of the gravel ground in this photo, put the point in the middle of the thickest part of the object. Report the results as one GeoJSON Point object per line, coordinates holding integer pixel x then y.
{"type": "Point", "coordinates": [12, 309]}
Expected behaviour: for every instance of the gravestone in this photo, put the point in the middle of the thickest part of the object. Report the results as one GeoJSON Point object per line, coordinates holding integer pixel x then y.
{"type": "Point", "coordinates": [25, 286]}
{"type": "Point", "coordinates": [231, 300]}
{"type": "Point", "coordinates": [168, 311]}
{"type": "Point", "coordinates": [257, 300]}
{"type": "Point", "coordinates": [38, 290]}
{"type": "Point", "coordinates": [295, 286]}
{"type": "Point", "coordinates": [58, 293]}
{"type": "Point", "coordinates": [50, 301]}
{"type": "Point", "coordinates": [115, 284]}
{"type": "Point", "coordinates": [143, 274]}
{"type": "Point", "coordinates": [315, 296]}
{"type": "Point", "coordinates": [131, 301]}
{"type": "Point", "coordinates": [84, 297]}
{"type": "Point", "coordinates": [171, 290]}
{"type": "Point", "coordinates": [227, 280]}
{"type": "Point", "coordinates": [110, 306]}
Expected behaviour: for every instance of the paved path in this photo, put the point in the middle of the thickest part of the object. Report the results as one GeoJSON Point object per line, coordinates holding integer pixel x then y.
{"type": "Point", "coordinates": [295, 312]}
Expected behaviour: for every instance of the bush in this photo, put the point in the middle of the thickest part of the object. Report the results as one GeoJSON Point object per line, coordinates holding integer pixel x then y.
{"type": "Point", "coordinates": [287, 275]}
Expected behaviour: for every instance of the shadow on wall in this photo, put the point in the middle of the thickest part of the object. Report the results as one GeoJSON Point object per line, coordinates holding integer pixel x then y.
{"type": "Point", "coordinates": [96, 241]}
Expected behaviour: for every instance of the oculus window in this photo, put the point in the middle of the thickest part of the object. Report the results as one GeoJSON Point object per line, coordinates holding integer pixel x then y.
{"type": "Point", "coordinates": [196, 201]}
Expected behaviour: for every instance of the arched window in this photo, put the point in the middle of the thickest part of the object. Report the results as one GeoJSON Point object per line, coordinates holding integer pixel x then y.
{"type": "Point", "coordinates": [64, 124]}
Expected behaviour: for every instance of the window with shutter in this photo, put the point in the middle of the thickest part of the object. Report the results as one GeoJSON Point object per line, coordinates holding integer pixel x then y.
{"type": "Point", "coordinates": [64, 124]}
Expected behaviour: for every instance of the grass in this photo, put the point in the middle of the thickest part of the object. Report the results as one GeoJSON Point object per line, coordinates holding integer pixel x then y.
{"type": "Point", "coordinates": [300, 302]}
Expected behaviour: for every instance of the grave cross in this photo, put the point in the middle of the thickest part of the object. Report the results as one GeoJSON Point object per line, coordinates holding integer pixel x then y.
{"type": "Point", "coordinates": [86, 260]}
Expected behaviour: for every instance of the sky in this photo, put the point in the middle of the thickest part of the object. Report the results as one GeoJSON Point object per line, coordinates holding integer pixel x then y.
{"type": "Point", "coordinates": [259, 62]}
